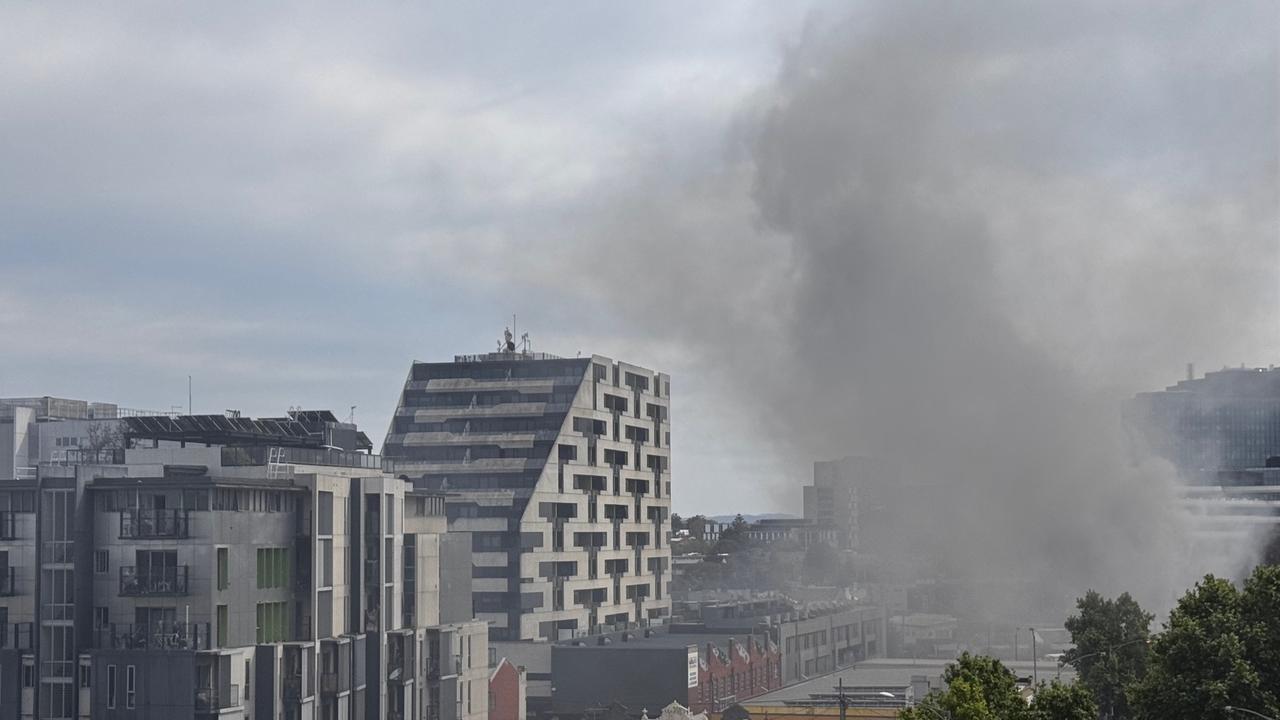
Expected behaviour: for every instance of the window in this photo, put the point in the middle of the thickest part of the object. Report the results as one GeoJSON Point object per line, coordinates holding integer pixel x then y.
{"type": "Point", "coordinates": [86, 679]}
{"type": "Point", "coordinates": [130, 694]}
{"type": "Point", "coordinates": [324, 513]}
{"type": "Point", "coordinates": [272, 622]}
{"type": "Point", "coordinates": [101, 560]}
{"type": "Point", "coordinates": [111, 687]}
{"type": "Point", "coordinates": [101, 619]}
{"type": "Point", "coordinates": [223, 619]}
{"type": "Point", "coordinates": [248, 673]}
{"type": "Point", "coordinates": [224, 569]}
{"type": "Point", "coordinates": [273, 568]}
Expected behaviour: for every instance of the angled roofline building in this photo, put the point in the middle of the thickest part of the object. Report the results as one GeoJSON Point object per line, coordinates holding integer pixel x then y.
{"type": "Point", "coordinates": [561, 470]}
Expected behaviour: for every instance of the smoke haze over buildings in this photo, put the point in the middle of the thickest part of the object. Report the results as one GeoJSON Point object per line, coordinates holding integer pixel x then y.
{"type": "Point", "coordinates": [954, 237]}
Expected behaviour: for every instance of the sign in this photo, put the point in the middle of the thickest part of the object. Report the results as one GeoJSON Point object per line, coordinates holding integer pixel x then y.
{"type": "Point", "coordinates": [693, 666]}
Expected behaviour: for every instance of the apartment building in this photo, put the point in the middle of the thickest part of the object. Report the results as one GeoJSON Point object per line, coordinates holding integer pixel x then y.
{"type": "Point", "coordinates": [220, 566]}
{"type": "Point", "coordinates": [560, 470]}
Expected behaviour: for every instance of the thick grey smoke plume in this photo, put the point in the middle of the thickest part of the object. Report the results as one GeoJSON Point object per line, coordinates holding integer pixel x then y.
{"type": "Point", "coordinates": [957, 236]}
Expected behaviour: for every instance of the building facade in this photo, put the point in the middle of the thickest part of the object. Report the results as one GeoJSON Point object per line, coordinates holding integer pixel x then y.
{"type": "Point", "coordinates": [218, 566]}
{"type": "Point", "coordinates": [1225, 420]}
{"type": "Point", "coordinates": [561, 471]}
{"type": "Point", "coordinates": [855, 496]}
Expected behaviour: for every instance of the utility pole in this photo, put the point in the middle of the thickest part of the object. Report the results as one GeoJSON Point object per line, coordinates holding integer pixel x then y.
{"type": "Point", "coordinates": [1035, 670]}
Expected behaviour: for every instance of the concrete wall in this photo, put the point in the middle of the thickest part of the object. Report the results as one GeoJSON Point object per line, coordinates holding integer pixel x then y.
{"type": "Point", "coordinates": [455, 578]}
{"type": "Point", "coordinates": [164, 684]}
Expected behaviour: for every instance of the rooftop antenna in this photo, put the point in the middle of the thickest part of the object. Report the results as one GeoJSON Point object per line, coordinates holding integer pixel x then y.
{"type": "Point", "coordinates": [351, 418]}
{"type": "Point", "coordinates": [188, 394]}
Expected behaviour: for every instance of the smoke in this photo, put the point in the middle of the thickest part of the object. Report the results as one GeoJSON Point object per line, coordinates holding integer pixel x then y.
{"type": "Point", "coordinates": [956, 237]}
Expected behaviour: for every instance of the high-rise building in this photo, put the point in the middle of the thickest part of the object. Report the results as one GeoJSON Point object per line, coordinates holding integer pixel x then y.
{"type": "Point", "coordinates": [853, 495]}
{"type": "Point", "coordinates": [1225, 420]}
{"type": "Point", "coordinates": [218, 566]}
{"type": "Point", "coordinates": [560, 469]}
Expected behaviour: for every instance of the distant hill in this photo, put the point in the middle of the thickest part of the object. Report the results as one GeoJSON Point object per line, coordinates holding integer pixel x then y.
{"type": "Point", "coordinates": [754, 518]}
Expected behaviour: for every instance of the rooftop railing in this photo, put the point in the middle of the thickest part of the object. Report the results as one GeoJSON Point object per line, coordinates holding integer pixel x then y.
{"type": "Point", "coordinates": [250, 456]}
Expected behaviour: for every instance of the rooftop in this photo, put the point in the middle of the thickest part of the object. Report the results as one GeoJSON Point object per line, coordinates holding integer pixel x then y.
{"type": "Point", "coordinates": [896, 672]}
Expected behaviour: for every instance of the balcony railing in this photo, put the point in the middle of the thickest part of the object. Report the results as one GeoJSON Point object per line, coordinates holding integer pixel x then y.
{"type": "Point", "coordinates": [8, 582]}
{"type": "Point", "coordinates": [143, 524]}
{"type": "Point", "coordinates": [156, 636]}
{"type": "Point", "coordinates": [136, 582]}
{"type": "Point", "coordinates": [212, 700]}
{"type": "Point", "coordinates": [8, 525]}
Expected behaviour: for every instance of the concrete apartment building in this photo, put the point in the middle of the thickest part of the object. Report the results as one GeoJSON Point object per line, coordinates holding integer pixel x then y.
{"type": "Point", "coordinates": [218, 566]}
{"type": "Point", "coordinates": [560, 470]}
{"type": "Point", "coordinates": [1225, 420]}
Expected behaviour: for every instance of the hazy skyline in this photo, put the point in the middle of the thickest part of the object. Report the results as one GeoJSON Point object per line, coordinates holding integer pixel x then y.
{"type": "Point", "coordinates": [292, 203]}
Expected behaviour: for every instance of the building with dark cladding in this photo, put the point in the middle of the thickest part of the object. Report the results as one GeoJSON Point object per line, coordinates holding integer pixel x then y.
{"type": "Point", "coordinates": [1225, 420]}
{"type": "Point", "coordinates": [648, 671]}
{"type": "Point", "coordinates": [560, 470]}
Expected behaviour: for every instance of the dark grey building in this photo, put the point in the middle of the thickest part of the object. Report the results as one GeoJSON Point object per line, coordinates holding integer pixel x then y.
{"type": "Point", "coordinates": [220, 566]}
{"type": "Point", "coordinates": [1229, 419]}
{"type": "Point", "coordinates": [560, 470]}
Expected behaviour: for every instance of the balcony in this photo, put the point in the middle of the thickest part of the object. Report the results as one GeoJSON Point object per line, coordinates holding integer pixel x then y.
{"type": "Point", "coordinates": [157, 636]}
{"type": "Point", "coordinates": [148, 524]}
{"type": "Point", "coordinates": [292, 689]}
{"type": "Point", "coordinates": [8, 582]}
{"type": "Point", "coordinates": [8, 525]}
{"type": "Point", "coordinates": [164, 581]}
{"type": "Point", "coordinates": [211, 701]}
{"type": "Point", "coordinates": [329, 683]}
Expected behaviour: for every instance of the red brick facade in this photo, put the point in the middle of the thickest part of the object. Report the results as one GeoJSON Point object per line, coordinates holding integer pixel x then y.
{"type": "Point", "coordinates": [744, 671]}
{"type": "Point", "coordinates": [506, 696]}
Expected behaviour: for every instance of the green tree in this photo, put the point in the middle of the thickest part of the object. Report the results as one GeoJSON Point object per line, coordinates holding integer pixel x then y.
{"type": "Point", "coordinates": [1218, 649]}
{"type": "Point", "coordinates": [1111, 648]}
{"type": "Point", "coordinates": [1060, 701]}
{"type": "Point", "coordinates": [734, 537]}
{"type": "Point", "coordinates": [978, 688]}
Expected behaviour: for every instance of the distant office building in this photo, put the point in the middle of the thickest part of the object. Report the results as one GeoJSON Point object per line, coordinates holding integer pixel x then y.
{"type": "Point", "coordinates": [560, 469]}
{"type": "Point", "coordinates": [794, 532]}
{"type": "Point", "coordinates": [217, 566]}
{"type": "Point", "coordinates": [1229, 419]}
{"type": "Point", "coordinates": [855, 496]}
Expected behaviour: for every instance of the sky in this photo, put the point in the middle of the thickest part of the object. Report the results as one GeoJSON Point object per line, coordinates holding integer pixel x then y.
{"type": "Point", "coordinates": [840, 227]}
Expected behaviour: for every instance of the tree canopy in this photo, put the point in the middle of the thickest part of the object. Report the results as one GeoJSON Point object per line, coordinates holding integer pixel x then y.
{"type": "Point", "coordinates": [982, 688]}
{"type": "Point", "coordinates": [1220, 648]}
{"type": "Point", "coordinates": [1111, 647]}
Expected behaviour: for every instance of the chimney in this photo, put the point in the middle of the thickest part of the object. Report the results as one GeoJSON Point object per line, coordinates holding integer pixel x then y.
{"type": "Point", "coordinates": [1191, 371]}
